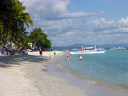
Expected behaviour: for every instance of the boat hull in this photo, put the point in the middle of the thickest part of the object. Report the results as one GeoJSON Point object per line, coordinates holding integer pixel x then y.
{"type": "Point", "coordinates": [86, 52]}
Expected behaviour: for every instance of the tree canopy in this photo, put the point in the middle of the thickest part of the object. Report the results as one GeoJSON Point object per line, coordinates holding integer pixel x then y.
{"type": "Point", "coordinates": [39, 39]}
{"type": "Point", "coordinates": [12, 29]}
{"type": "Point", "coordinates": [12, 20]}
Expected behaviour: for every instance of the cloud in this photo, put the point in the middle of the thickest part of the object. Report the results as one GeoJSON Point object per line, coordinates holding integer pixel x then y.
{"type": "Point", "coordinates": [98, 31]}
{"type": "Point", "coordinates": [65, 28]}
{"type": "Point", "coordinates": [53, 10]}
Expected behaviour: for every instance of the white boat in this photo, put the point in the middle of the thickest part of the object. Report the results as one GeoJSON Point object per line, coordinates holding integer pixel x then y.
{"type": "Point", "coordinates": [88, 52]}
{"type": "Point", "coordinates": [94, 51]}
{"type": "Point", "coordinates": [118, 48]}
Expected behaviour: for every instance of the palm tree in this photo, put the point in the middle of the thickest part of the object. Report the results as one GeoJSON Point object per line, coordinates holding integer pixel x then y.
{"type": "Point", "coordinates": [12, 19]}
{"type": "Point", "coordinates": [20, 18]}
{"type": "Point", "coordinates": [3, 18]}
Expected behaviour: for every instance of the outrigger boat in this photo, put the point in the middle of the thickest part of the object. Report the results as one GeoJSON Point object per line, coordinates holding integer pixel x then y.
{"type": "Point", "coordinates": [94, 51]}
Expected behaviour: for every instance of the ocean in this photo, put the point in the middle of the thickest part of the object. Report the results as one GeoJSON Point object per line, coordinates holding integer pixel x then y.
{"type": "Point", "coordinates": [110, 67]}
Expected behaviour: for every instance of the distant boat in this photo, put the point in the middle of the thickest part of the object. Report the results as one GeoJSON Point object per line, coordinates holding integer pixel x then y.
{"type": "Point", "coordinates": [93, 51]}
{"type": "Point", "coordinates": [118, 48]}
{"type": "Point", "coordinates": [74, 49]}
{"type": "Point", "coordinates": [89, 47]}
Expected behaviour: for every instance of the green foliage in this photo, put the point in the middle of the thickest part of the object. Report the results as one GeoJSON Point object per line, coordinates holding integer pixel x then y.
{"type": "Point", "coordinates": [39, 38]}
{"type": "Point", "coordinates": [21, 40]}
{"type": "Point", "coordinates": [12, 20]}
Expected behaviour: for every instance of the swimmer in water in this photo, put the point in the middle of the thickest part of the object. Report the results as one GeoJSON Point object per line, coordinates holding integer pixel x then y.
{"type": "Point", "coordinates": [68, 54]}
{"type": "Point", "coordinates": [79, 58]}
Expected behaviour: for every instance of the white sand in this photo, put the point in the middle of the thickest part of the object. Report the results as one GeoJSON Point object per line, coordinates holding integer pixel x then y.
{"type": "Point", "coordinates": [13, 82]}
{"type": "Point", "coordinates": [45, 53]}
{"type": "Point", "coordinates": [27, 77]}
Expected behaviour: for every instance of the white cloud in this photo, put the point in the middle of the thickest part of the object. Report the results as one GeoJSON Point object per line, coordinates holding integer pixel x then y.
{"type": "Point", "coordinates": [66, 28]}
{"type": "Point", "coordinates": [53, 9]}
{"type": "Point", "coordinates": [94, 32]}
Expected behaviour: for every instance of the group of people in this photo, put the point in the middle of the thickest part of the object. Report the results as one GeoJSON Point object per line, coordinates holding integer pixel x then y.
{"type": "Point", "coordinates": [79, 58]}
{"type": "Point", "coordinates": [40, 51]}
{"type": "Point", "coordinates": [4, 51]}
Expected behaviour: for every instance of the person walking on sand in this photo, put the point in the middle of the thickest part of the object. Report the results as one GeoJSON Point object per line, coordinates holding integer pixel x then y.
{"type": "Point", "coordinates": [54, 52]}
{"type": "Point", "coordinates": [68, 54]}
{"type": "Point", "coordinates": [50, 55]}
{"type": "Point", "coordinates": [40, 52]}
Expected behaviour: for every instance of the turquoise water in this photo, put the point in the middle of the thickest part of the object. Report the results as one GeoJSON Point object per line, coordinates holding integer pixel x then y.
{"type": "Point", "coordinates": [110, 67]}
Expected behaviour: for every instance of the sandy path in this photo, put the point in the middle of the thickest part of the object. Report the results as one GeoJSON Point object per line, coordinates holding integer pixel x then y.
{"type": "Point", "coordinates": [13, 82]}
{"type": "Point", "coordinates": [27, 77]}
{"type": "Point", "coordinates": [47, 84]}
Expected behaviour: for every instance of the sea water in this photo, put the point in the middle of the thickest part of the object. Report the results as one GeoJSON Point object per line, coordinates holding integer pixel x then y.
{"type": "Point", "coordinates": [110, 67]}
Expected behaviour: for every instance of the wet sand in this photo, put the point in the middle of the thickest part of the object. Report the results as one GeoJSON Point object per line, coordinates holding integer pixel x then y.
{"type": "Point", "coordinates": [92, 87]}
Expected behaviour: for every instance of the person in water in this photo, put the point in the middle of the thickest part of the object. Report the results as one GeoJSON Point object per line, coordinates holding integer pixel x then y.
{"type": "Point", "coordinates": [68, 54]}
{"type": "Point", "coordinates": [80, 58]}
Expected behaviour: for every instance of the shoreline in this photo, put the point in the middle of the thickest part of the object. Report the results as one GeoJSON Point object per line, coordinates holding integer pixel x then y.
{"type": "Point", "coordinates": [87, 84]}
{"type": "Point", "coordinates": [94, 81]}
{"type": "Point", "coordinates": [50, 85]}
{"type": "Point", "coordinates": [38, 76]}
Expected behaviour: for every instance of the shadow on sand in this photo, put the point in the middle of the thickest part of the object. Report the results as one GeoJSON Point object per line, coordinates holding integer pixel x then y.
{"type": "Point", "coordinates": [17, 60]}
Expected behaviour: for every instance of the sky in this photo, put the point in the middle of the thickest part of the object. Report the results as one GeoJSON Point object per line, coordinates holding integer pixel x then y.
{"type": "Point", "coordinates": [68, 22]}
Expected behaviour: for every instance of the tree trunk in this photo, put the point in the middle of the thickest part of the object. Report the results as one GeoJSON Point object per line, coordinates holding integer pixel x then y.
{"type": "Point", "coordinates": [1, 37]}
{"type": "Point", "coordinates": [4, 29]}
{"type": "Point", "coordinates": [13, 31]}
{"type": "Point", "coordinates": [6, 35]}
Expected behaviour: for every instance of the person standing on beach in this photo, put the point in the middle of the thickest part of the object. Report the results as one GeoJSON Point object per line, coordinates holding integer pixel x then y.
{"type": "Point", "coordinates": [50, 55]}
{"type": "Point", "coordinates": [4, 51]}
{"type": "Point", "coordinates": [54, 52]}
{"type": "Point", "coordinates": [68, 54]}
{"type": "Point", "coordinates": [0, 52]}
{"type": "Point", "coordinates": [12, 52]}
{"type": "Point", "coordinates": [40, 52]}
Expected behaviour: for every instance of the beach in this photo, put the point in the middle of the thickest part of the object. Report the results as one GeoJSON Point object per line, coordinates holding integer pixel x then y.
{"type": "Point", "coordinates": [27, 76]}
{"type": "Point", "coordinates": [33, 75]}
{"type": "Point", "coordinates": [63, 48]}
